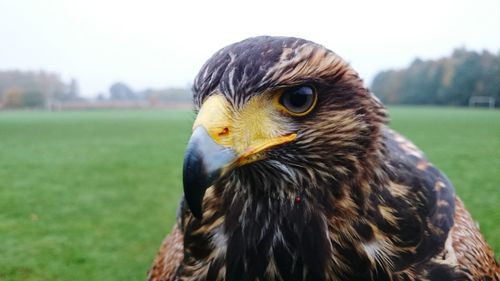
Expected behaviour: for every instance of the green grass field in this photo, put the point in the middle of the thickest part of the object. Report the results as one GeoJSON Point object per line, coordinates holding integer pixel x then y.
{"type": "Point", "coordinates": [90, 195]}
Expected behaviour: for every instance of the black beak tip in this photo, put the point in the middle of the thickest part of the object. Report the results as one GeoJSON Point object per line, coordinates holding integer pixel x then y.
{"type": "Point", "coordinates": [203, 165]}
{"type": "Point", "coordinates": [194, 180]}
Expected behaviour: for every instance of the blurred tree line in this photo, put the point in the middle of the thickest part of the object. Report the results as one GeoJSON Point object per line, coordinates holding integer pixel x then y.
{"type": "Point", "coordinates": [446, 81]}
{"type": "Point", "coordinates": [34, 89]}
{"type": "Point", "coordinates": [122, 92]}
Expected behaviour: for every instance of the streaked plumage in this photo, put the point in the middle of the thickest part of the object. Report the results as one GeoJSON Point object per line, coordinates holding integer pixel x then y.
{"type": "Point", "coordinates": [329, 194]}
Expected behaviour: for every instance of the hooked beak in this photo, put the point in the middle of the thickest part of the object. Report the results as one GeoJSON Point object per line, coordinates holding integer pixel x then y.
{"type": "Point", "coordinates": [218, 145]}
{"type": "Point", "coordinates": [205, 161]}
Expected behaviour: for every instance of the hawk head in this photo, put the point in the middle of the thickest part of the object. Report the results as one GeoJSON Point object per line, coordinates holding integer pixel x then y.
{"type": "Point", "coordinates": [283, 123]}
{"type": "Point", "coordinates": [292, 174]}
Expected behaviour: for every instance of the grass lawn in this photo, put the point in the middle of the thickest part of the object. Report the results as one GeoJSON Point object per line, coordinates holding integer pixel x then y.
{"type": "Point", "coordinates": [90, 195]}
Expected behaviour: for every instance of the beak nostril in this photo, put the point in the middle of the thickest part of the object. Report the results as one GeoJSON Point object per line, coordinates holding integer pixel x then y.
{"type": "Point", "coordinates": [224, 131]}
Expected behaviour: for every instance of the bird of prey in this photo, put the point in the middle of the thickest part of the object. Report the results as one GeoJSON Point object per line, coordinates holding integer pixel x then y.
{"type": "Point", "coordinates": [292, 173]}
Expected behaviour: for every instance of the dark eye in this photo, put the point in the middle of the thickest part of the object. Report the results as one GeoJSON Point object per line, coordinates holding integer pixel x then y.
{"type": "Point", "coordinates": [299, 100]}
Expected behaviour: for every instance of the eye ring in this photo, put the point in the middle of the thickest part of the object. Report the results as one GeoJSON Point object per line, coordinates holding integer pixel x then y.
{"type": "Point", "coordinates": [298, 101]}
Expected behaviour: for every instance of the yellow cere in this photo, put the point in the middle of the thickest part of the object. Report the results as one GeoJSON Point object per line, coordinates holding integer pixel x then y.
{"type": "Point", "coordinates": [216, 116]}
{"type": "Point", "coordinates": [257, 126]}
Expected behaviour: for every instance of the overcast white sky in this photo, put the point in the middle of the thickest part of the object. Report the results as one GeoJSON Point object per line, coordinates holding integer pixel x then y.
{"type": "Point", "coordinates": [163, 43]}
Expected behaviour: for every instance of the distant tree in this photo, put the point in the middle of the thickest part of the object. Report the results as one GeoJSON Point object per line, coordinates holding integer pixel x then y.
{"type": "Point", "coordinates": [68, 92]}
{"type": "Point", "coordinates": [120, 91]}
{"type": "Point", "coordinates": [74, 90]}
{"type": "Point", "coordinates": [173, 95]}
{"type": "Point", "coordinates": [446, 81]}
{"type": "Point", "coordinates": [101, 96]}
{"type": "Point", "coordinates": [35, 84]}
{"type": "Point", "coordinates": [13, 97]}
{"type": "Point", "coordinates": [387, 86]}
{"type": "Point", "coordinates": [467, 73]}
{"type": "Point", "coordinates": [33, 98]}
{"type": "Point", "coordinates": [489, 83]}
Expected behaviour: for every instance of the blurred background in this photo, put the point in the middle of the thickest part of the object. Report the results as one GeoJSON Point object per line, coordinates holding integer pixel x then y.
{"type": "Point", "coordinates": [95, 111]}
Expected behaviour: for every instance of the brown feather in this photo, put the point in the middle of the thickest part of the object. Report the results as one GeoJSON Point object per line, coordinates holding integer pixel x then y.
{"type": "Point", "coordinates": [169, 258]}
{"type": "Point", "coordinates": [471, 251]}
